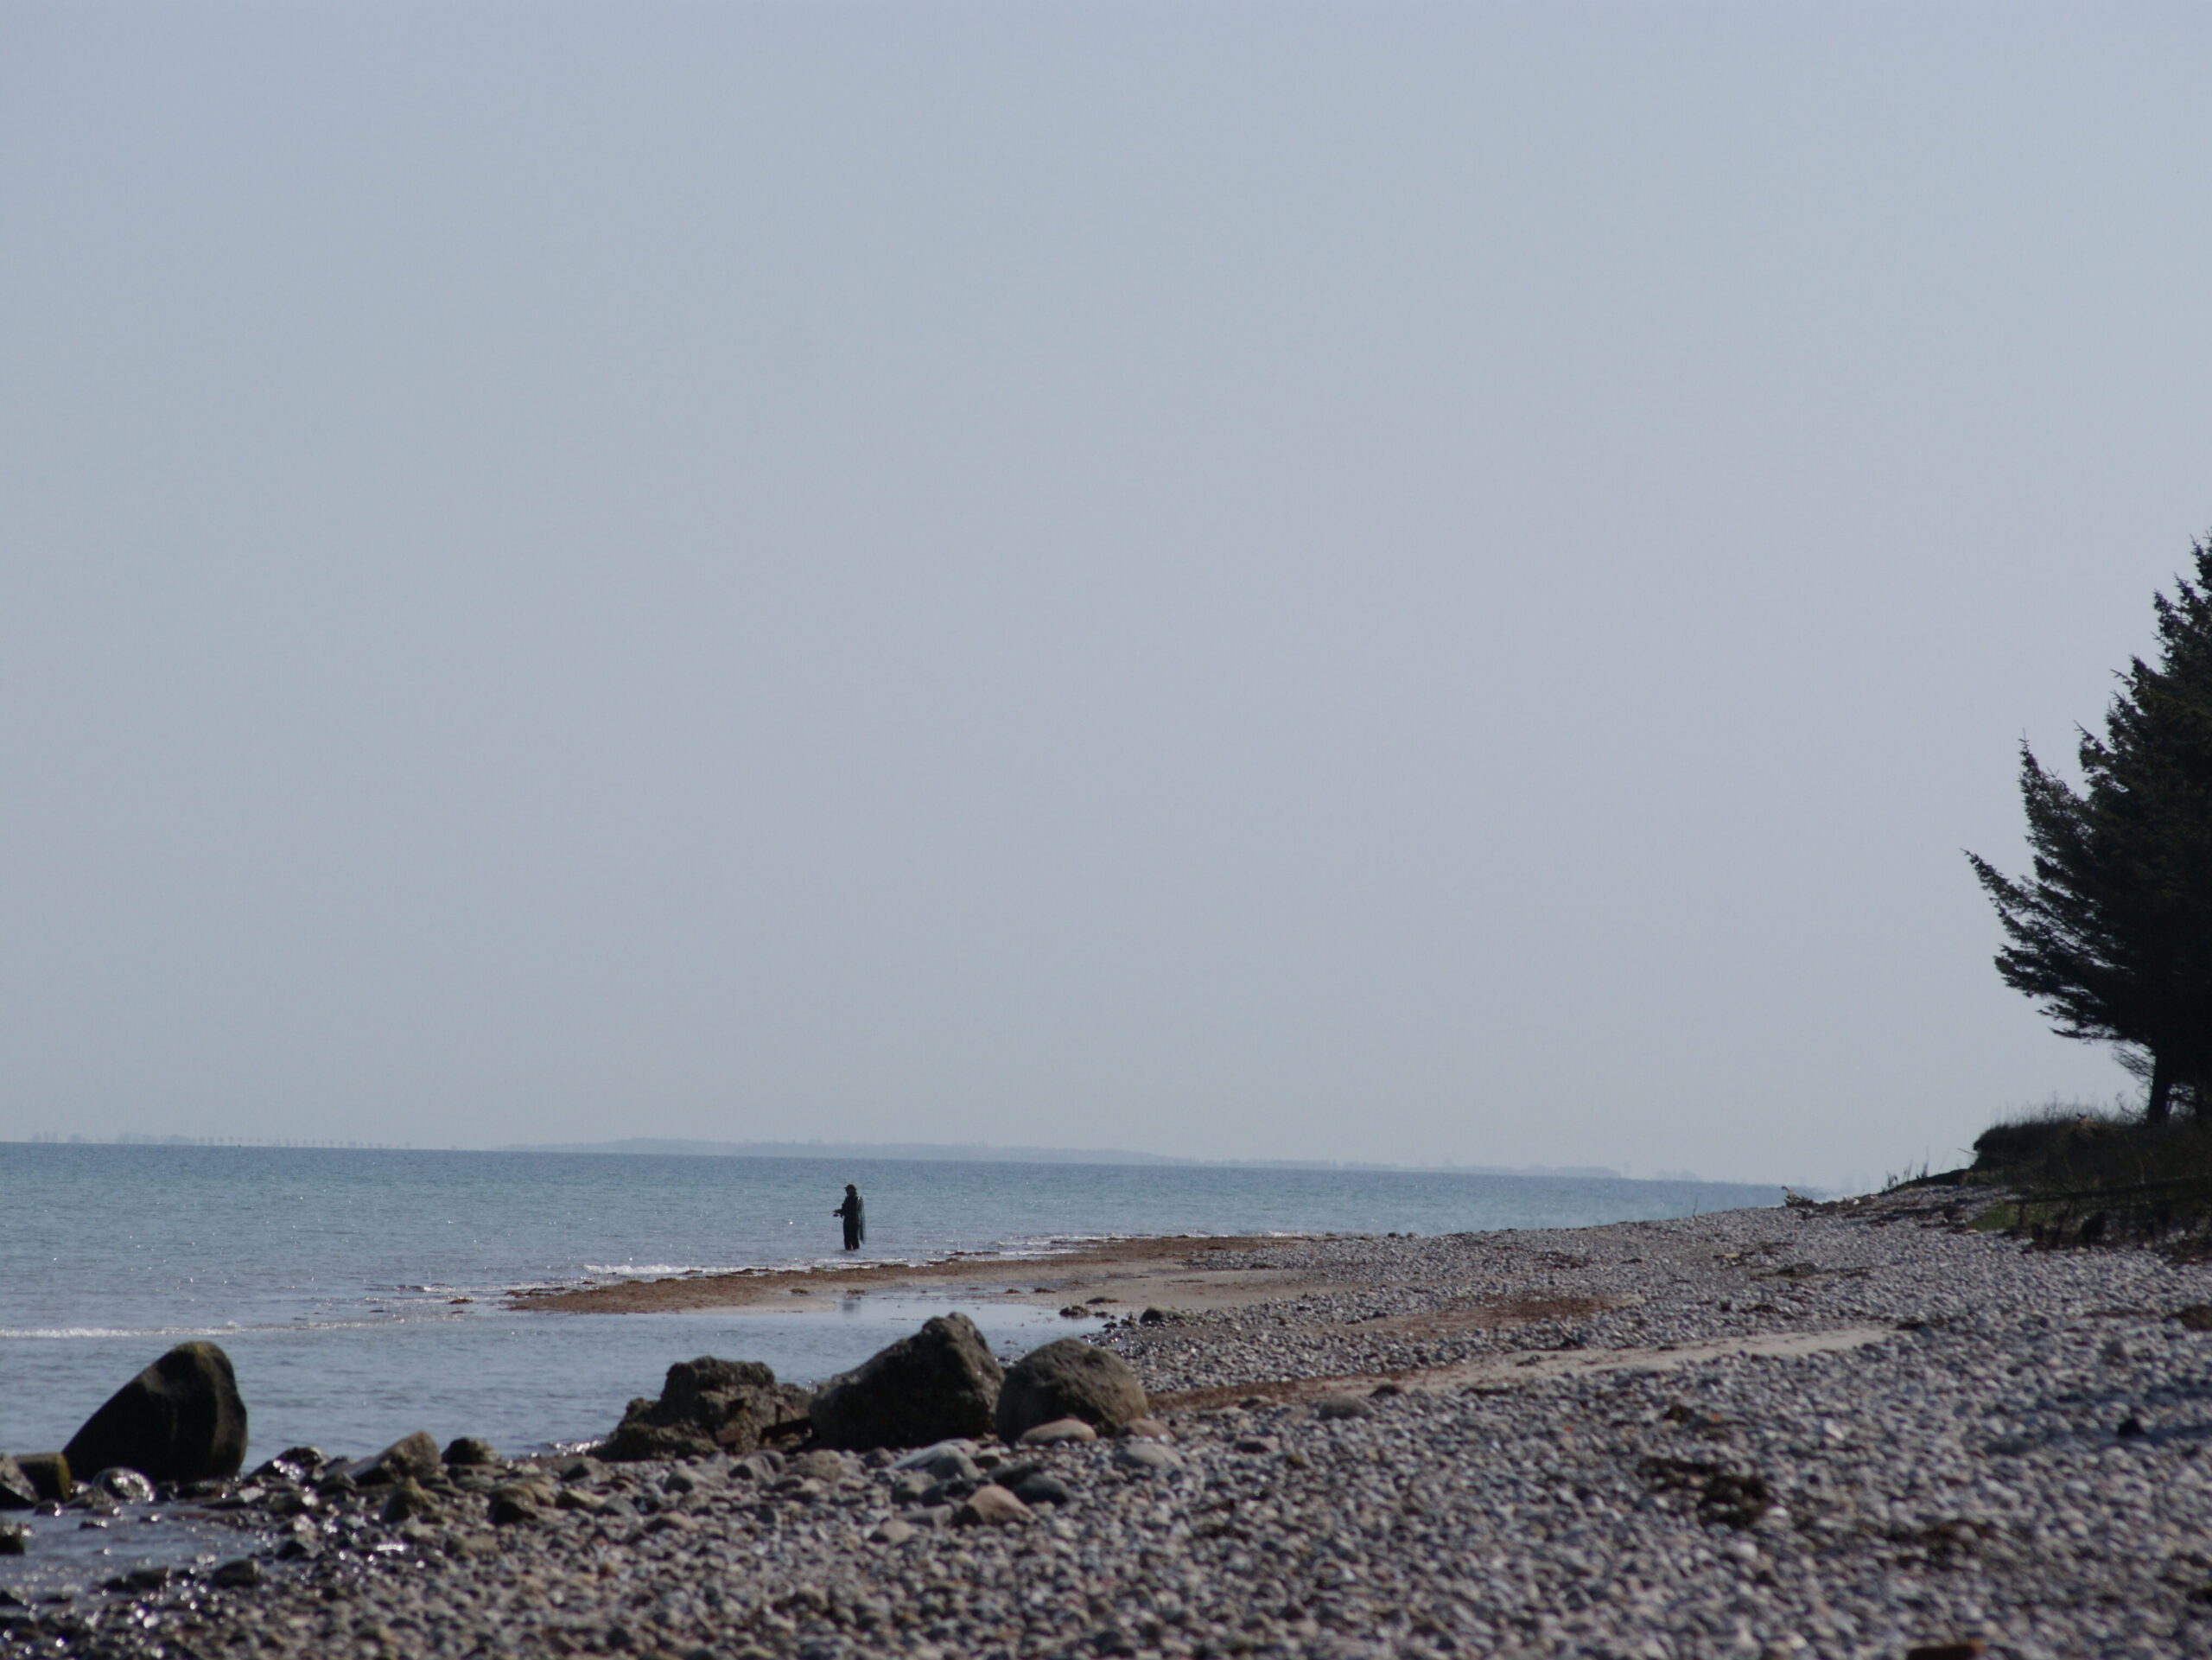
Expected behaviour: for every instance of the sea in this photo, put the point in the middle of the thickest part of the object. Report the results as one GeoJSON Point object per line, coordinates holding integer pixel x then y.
{"type": "Point", "coordinates": [364, 1293]}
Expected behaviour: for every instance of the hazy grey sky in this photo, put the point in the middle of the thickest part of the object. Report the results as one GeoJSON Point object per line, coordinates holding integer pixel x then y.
{"type": "Point", "coordinates": [1347, 581]}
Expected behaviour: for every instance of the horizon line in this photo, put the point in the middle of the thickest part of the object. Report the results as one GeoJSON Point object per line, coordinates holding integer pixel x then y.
{"type": "Point", "coordinates": [909, 1151]}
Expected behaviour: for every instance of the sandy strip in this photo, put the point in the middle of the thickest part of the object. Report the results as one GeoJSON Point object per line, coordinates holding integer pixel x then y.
{"type": "Point", "coordinates": [1120, 1276]}
{"type": "Point", "coordinates": [1186, 1273]}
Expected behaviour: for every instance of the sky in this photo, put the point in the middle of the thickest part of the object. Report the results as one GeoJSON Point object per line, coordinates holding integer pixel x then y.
{"type": "Point", "coordinates": [1347, 581]}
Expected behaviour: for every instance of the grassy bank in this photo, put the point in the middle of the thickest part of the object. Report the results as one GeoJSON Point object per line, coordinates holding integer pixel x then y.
{"type": "Point", "coordinates": [2088, 1176]}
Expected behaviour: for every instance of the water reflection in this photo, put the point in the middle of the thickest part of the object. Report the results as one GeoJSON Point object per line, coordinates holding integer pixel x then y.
{"type": "Point", "coordinates": [69, 1555]}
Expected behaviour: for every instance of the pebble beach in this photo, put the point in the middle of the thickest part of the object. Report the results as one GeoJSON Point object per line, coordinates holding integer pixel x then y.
{"type": "Point", "coordinates": [1862, 1429]}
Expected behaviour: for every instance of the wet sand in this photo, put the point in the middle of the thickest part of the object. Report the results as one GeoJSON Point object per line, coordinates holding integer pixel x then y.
{"type": "Point", "coordinates": [1120, 1276]}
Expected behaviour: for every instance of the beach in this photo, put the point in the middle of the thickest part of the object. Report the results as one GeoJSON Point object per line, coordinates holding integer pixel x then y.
{"type": "Point", "coordinates": [1104, 1277]}
{"type": "Point", "coordinates": [1857, 1429]}
{"type": "Point", "coordinates": [363, 1294]}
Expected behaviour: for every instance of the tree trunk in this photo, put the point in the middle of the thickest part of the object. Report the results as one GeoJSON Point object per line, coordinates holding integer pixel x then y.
{"type": "Point", "coordinates": [2161, 1103]}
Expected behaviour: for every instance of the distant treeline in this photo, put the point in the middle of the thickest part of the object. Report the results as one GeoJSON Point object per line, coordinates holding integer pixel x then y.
{"type": "Point", "coordinates": [973, 1153]}
{"type": "Point", "coordinates": [984, 1153]}
{"type": "Point", "coordinates": [49, 1139]}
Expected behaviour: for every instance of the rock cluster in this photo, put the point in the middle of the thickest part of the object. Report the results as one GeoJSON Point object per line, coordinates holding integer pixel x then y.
{"type": "Point", "coordinates": [2015, 1464]}
{"type": "Point", "coordinates": [706, 1406]}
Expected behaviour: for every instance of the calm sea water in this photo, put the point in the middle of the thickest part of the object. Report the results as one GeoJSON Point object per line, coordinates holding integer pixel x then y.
{"type": "Point", "coordinates": [358, 1293]}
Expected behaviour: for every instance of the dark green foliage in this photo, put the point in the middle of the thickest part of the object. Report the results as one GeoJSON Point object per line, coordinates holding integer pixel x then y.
{"type": "Point", "coordinates": [2103, 1180]}
{"type": "Point", "coordinates": [2054, 1138]}
{"type": "Point", "coordinates": [2113, 933]}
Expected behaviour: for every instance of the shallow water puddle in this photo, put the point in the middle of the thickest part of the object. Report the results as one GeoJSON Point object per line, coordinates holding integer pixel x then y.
{"type": "Point", "coordinates": [72, 1555]}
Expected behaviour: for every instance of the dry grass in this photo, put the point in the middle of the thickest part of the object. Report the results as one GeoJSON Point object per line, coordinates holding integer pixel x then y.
{"type": "Point", "coordinates": [2088, 1175]}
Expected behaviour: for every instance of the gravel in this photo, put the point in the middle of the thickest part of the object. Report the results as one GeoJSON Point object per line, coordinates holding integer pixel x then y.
{"type": "Point", "coordinates": [2018, 1462]}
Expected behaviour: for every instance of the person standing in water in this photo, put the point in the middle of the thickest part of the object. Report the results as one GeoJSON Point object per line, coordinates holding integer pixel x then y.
{"type": "Point", "coordinates": [856, 1229]}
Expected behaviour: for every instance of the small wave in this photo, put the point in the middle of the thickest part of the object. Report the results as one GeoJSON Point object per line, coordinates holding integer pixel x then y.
{"type": "Point", "coordinates": [1062, 1244]}
{"type": "Point", "coordinates": [1053, 1242]}
{"type": "Point", "coordinates": [411, 1292]}
{"type": "Point", "coordinates": [653, 1268]}
{"type": "Point", "coordinates": [111, 1331]}
{"type": "Point", "coordinates": [229, 1328]}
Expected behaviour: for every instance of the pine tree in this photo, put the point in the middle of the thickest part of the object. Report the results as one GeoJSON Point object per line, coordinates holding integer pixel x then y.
{"type": "Point", "coordinates": [2112, 932]}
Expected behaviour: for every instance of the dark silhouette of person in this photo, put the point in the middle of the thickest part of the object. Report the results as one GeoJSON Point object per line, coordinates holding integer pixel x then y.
{"type": "Point", "coordinates": [855, 1228]}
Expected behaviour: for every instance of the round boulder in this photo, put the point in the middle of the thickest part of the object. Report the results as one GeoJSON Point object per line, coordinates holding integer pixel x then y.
{"type": "Point", "coordinates": [1068, 1379]}
{"type": "Point", "coordinates": [989, 1506]}
{"type": "Point", "coordinates": [124, 1486]}
{"type": "Point", "coordinates": [180, 1419]}
{"type": "Point", "coordinates": [938, 1384]}
{"type": "Point", "coordinates": [819, 1465]}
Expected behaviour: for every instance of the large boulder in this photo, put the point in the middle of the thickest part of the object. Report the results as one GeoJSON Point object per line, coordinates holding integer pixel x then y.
{"type": "Point", "coordinates": [938, 1384]}
{"type": "Point", "coordinates": [1068, 1379]}
{"type": "Point", "coordinates": [706, 1406]}
{"type": "Point", "coordinates": [180, 1419]}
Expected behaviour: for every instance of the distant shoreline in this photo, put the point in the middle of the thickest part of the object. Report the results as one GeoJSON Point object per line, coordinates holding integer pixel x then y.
{"type": "Point", "coordinates": [909, 1152]}
{"type": "Point", "coordinates": [986, 1153]}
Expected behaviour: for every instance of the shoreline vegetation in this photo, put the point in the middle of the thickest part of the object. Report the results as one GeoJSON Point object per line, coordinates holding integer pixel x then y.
{"type": "Point", "coordinates": [2108, 930]}
{"type": "Point", "coordinates": [1880, 1427]}
{"type": "Point", "coordinates": [2084, 1175]}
